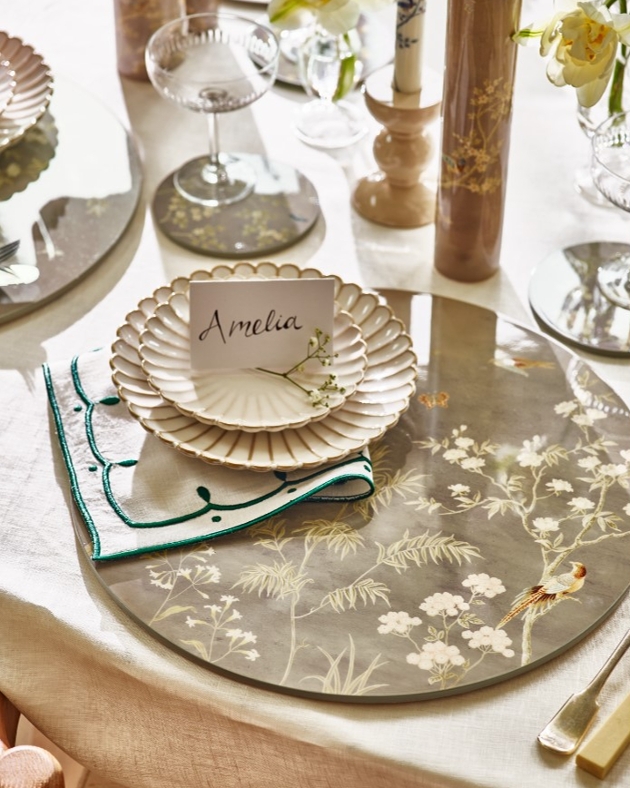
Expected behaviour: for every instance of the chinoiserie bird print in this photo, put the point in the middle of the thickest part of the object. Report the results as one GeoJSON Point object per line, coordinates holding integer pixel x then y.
{"type": "Point", "coordinates": [551, 590]}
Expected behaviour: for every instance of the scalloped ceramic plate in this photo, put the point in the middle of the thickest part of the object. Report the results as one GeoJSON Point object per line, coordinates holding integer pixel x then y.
{"type": "Point", "coordinates": [245, 399]}
{"type": "Point", "coordinates": [32, 91]}
{"type": "Point", "coordinates": [7, 84]}
{"type": "Point", "coordinates": [380, 399]}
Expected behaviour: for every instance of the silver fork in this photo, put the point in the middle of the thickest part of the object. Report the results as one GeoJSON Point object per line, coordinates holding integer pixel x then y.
{"type": "Point", "coordinates": [566, 729]}
{"type": "Point", "coordinates": [8, 250]}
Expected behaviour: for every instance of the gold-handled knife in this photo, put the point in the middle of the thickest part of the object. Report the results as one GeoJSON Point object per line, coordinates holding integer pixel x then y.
{"type": "Point", "coordinates": [565, 730]}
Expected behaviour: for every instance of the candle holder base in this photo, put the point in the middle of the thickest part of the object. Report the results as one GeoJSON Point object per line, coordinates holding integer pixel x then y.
{"type": "Point", "coordinates": [398, 194]}
{"type": "Point", "coordinates": [378, 200]}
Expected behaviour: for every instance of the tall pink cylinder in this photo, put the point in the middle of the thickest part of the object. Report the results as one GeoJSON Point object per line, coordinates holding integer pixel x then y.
{"type": "Point", "coordinates": [476, 120]}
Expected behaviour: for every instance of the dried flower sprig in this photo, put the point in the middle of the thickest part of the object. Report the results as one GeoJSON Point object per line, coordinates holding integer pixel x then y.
{"type": "Point", "coordinates": [317, 350]}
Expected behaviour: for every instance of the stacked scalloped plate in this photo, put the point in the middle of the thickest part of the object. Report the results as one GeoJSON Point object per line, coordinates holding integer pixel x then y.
{"type": "Point", "coordinates": [26, 87]}
{"type": "Point", "coordinates": [269, 428]}
{"type": "Point", "coordinates": [248, 399]}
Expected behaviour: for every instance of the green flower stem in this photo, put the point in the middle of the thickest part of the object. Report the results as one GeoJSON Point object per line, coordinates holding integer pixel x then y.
{"type": "Point", "coordinates": [615, 97]}
{"type": "Point", "coordinates": [286, 10]}
{"type": "Point", "coordinates": [316, 351]}
{"type": "Point", "coordinates": [345, 82]}
{"type": "Point", "coordinates": [285, 375]}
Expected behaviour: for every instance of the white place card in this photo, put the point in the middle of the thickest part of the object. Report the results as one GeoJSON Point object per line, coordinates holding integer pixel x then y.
{"type": "Point", "coordinates": [257, 323]}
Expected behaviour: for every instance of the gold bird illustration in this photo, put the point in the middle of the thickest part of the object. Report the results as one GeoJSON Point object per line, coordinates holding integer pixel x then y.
{"type": "Point", "coordinates": [551, 590]}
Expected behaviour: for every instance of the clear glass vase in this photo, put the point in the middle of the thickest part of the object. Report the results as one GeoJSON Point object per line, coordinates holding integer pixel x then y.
{"type": "Point", "coordinates": [329, 69]}
{"type": "Point", "coordinates": [589, 118]}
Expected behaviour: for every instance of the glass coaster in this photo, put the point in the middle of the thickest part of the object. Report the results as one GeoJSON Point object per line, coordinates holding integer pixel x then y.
{"type": "Point", "coordinates": [566, 298]}
{"type": "Point", "coordinates": [281, 210]}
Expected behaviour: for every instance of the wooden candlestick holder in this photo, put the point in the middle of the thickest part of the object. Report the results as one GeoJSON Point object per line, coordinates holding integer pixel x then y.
{"type": "Point", "coordinates": [397, 196]}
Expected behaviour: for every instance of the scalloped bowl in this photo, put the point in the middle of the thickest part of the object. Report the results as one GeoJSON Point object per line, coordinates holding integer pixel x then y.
{"type": "Point", "coordinates": [32, 91]}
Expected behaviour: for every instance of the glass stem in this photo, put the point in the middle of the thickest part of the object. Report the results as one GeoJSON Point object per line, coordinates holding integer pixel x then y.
{"type": "Point", "coordinates": [214, 171]}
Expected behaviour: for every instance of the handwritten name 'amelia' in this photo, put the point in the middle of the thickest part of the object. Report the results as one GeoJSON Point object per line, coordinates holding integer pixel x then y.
{"type": "Point", "coordinates": [250, 328]}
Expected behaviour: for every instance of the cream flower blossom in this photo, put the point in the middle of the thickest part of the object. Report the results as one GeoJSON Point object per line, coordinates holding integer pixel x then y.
{"type": "Point", "coordinates": [529, 456]}
{"type": "Point", "coordinates": [613, 471]}
{"type": "Point", "coordinates": [398, 623]}
{"type": "Point", "coordinates": [473, 464]}
{"type": "Point", "coordinates": [566, 408]}
{"type": "Point", "coordinates": [559, 485]}
{"type": "Point", "coordinates": [529, 459]}
{"type": "Point", "coordinates": [489, 640]}
{"type": "Point", "coordinates": [484, 584]}
{"type": "Point", "coordinates": [454, 455]}
{"type": "Point", "coordinates": [589, 463]}
{"type": "Point", "coordinates": [336, 16]}
{"type": "Point", "coordinates": [436, 655]}
{"type": "Point", "coordinates": [444, 604]}
{"type": "Point", "coordinates": [583, 420]}
{"type": "Point", "coordinates": [581, 42]}
{"type": "Point", "coordinates": [546, 524]}
{"type": "Point", "coordinates": [458, 489]}
{"type": "Point", "coordinates": [581, 504]}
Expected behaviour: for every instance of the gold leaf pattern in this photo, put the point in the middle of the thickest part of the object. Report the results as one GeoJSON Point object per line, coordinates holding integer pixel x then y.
{"type": "Point", "coordinates": [471, 160]}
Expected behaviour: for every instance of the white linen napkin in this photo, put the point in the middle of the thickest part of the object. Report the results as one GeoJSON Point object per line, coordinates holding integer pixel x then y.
{"type": "Point", "coordinates": [136, 494]}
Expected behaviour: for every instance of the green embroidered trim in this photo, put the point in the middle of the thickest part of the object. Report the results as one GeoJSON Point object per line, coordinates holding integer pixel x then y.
{"type": "Point", "coordinates": [203, 492]}
{"type": "Point", "coordinates": [74, 482]}
{"type": "Point", "coordinates": [225, 531]}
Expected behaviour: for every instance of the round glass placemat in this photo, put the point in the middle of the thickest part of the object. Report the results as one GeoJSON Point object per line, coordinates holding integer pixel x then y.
{"type": "Point", "coordinates": [68, 190]}
{"type": "Point", "coordinates": [507, 475]}
{"type": "Point", "coordinates": [280, 211]}
{"type": "Point", "coordinates": [567, 300]}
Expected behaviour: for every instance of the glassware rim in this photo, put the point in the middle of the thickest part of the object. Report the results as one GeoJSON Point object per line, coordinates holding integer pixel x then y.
{"type": "Point", "coordinates": [271, 66]}
{"type": "Point", "coordinates": [605, 125]}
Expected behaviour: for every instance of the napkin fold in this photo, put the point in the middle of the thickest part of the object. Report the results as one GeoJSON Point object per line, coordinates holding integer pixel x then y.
{"type": "Point", "coordinates": [136, 494]}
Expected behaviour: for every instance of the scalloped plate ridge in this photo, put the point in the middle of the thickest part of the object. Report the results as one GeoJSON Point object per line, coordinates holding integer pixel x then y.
{"type": "Point", "coordinates": [32, 90]}
{"type": "Point", "coordinates": [245, 399]}
{"type": "Point", "coordinates": [378, 402]}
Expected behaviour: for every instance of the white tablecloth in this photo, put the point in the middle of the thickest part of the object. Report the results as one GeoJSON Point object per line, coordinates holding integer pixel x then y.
{"type": "Point", "coordinates": [105, 690]}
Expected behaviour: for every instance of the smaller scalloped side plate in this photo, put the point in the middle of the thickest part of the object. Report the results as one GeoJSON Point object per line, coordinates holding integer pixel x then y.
{"type": "Point", "coordinates": [246, 399]}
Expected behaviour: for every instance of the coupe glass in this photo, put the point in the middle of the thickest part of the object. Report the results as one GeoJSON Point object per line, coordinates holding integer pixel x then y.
{"type": "Point", "coordinates": [611, 174]}
{"type": "Point", "coordinates": [213, 63]}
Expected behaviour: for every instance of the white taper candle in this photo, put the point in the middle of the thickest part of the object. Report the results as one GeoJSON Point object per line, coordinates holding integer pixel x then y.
{"type": "Point", "coordinates": [408, 57]}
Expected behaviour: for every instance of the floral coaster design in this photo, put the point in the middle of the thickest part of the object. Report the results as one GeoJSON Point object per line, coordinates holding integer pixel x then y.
{"type": "Point", "coordinates": [283, 209]}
